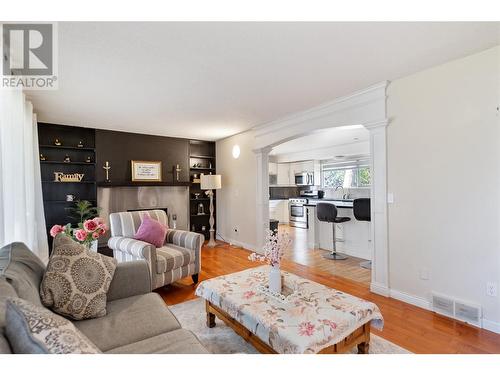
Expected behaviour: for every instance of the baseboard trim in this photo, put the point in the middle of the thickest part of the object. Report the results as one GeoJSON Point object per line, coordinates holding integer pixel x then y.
{"type": "Point", "coordinates": [379, 289]}
{"type": "Point", "coordinates": [492, 326]}
{"type": "Point", "coordinates": [412, 300]}
{"type": "Point", "coordinates": [234, 242]}
{"type": "Point", "coordinates": [488, 325]}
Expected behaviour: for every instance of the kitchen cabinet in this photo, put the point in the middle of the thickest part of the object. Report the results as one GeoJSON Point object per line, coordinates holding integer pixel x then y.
{"type": "Point", "coordinates": [286, 171]}
{"type": "Point", "coordinates": [317, 172]}
{"type": "Point", "coordinates": [278, 210]}
{"type": "Point", "coordinates": [284, 174]}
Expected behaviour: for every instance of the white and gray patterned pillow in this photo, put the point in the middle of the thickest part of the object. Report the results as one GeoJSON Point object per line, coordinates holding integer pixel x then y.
{"type": "Point", "coordinates": [76, 280]}
{"type": "Point", "coordinates": [34, 329]}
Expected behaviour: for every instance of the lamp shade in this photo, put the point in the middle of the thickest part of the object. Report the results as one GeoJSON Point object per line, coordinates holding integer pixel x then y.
{"type": "Point", "coordinates": [210, 181]}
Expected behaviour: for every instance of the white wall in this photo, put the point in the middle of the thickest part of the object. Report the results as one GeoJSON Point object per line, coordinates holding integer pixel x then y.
{"type": "Point", "coordinates": [236, 199]}
{"type": "Point", "coordinates": [444, 171]}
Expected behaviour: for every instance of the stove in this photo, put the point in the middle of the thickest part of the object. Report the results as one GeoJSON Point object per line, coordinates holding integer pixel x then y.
{"type": "Point", "coordinates": [298, 212]}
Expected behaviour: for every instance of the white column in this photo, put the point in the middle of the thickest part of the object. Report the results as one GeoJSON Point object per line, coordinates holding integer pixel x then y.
{"type": "Point", "coordinates": [380, 262]}
{"type": "Point", "coordinates": [262, 196]}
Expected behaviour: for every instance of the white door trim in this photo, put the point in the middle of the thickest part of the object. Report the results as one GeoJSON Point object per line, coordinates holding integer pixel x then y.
{"type": "Point", "coordinates": [366, 107]}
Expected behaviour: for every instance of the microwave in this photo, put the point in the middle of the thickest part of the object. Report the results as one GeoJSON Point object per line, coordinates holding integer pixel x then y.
{"type": "Point", "coordinates": [304, 178]}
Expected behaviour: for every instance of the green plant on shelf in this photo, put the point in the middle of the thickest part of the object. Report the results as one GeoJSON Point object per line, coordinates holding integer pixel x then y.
{"type": "Point", "coordinates": [83, 210]}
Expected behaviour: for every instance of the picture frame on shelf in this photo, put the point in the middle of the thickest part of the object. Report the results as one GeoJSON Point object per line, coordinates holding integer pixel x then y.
{"type": "Point", "coordinates": [146, 171]}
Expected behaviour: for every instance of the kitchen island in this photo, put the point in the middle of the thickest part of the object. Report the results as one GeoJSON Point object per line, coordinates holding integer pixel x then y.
{"type": "Point", "coordinates": [353, 237]}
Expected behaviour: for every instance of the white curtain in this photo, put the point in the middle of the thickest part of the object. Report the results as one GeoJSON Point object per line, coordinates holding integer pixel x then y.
{"type": "Point", "coordinates": [21, 202]}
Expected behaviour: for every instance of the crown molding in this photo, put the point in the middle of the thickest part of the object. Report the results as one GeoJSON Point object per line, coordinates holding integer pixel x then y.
{"type": "Point", "coordinates": [376, 124]}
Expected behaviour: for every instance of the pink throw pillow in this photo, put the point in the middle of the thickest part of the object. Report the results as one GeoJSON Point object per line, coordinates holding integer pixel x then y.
{"type": "Point", "coordinates": [151, 231]}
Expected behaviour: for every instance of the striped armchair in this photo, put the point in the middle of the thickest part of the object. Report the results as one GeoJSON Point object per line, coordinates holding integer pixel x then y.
{"type": "Point", "coordinates": [179, 257]}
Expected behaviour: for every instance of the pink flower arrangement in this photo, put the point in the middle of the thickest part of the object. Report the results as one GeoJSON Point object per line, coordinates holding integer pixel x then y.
{"type": "Point", "coordinates": [276, 244]}
{"type": "Point", "coordinates": [80, 234]}
{"type": "Point", "coordinates": [86, 232]}
{"type": "Point", "coordinates": [56, 229]}
{"type": "Point", "coordinates": [90, 226]}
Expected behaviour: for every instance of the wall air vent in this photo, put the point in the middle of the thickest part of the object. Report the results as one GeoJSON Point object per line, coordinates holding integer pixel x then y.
{"type": "Point", "coordinates": [468, 313]}
{"type": "Point", "coordinates": [442, 305]}
{"type": "Point", "coordinates": [460, 310]}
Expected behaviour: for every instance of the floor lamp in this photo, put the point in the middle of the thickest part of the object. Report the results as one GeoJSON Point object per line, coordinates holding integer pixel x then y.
{"type": "Point", "coordinates": [211, 182]}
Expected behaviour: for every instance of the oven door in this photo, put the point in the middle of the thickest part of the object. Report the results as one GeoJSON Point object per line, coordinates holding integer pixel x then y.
{"type": "Point", "coordinates": [298, 215]}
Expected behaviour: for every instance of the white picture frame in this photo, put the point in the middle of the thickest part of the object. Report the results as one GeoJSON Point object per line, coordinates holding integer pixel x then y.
{"type": "Point", "coordinates": [146, 171]}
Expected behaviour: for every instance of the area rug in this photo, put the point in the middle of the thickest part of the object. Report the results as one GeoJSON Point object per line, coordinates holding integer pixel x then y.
{"type": "Point", "coordinates": [223, 340]}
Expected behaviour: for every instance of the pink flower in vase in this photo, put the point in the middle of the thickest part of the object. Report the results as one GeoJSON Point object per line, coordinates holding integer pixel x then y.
{"type": "Point", "coordinates": [99, 221]}
{"type": "Point", "coordinates": [56, 229]}
{"type": "Point", "coordinates": [90, 225]}
{"type": "Point", "coordinates": [80, 234]}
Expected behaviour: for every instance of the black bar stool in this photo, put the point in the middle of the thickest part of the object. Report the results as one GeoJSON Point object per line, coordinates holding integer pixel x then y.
{"type": "Point", "coordinates": [362, 212]}
{"type": "Point", "coordinates": [328, 212]}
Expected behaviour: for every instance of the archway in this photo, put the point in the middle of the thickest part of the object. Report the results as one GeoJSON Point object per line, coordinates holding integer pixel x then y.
{"type": "Point", "coordinates": [366, 107]}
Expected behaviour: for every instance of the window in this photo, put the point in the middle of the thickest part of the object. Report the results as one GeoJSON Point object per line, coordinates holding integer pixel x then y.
{"type": "Point", "coordinates": [346, 174]}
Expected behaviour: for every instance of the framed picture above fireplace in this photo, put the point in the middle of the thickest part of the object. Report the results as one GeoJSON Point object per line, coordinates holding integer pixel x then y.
{"type": "Point", "coordinates": [146, 170]}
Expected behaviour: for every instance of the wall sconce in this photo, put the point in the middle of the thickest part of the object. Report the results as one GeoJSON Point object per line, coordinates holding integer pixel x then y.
{"type": "Point", "coordinates": [236, 151]}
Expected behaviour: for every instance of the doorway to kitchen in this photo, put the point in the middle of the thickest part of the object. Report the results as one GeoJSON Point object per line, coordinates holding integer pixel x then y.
{"type": "Point", "coordinates": [366, 107]}
{"type": "Point", "coordinates": [330, 167]}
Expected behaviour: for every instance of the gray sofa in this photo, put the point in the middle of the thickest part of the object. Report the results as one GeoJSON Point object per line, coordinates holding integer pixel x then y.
{"type": "Point", "coordinates": [137, 320]}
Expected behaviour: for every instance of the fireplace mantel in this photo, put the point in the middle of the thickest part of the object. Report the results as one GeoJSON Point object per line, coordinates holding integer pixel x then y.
{"type": "Point", "coordinates": [131, 183]}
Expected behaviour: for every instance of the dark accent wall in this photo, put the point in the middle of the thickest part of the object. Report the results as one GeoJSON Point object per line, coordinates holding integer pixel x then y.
{"type": "Point", "coordinates": [119, 148]}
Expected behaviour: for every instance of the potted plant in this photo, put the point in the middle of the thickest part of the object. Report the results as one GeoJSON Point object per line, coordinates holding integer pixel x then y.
{"type": "Point", "coordinates": [274, 249]}
{"type": "Point", "coordinates": [90, 226]}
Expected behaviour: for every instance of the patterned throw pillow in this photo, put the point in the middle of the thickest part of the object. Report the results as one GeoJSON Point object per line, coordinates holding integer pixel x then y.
{"type": "Point", "coordinates": [76, 280]}
{"type": "Point", "coordinates": [36, 330]}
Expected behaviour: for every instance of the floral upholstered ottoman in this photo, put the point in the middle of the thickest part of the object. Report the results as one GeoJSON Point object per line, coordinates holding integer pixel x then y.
{"type": "Point", "coordinates": [311, 318]}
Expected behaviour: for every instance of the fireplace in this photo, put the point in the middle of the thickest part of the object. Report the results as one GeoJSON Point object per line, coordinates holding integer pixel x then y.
{"type": "Point", "coordinates": [172, 199]}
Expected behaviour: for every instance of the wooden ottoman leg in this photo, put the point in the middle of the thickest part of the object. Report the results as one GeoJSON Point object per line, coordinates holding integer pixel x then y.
{"type": "Point", "coordinates": [364, 348]}
{"type": "Point", "coordinates": [210, 316]}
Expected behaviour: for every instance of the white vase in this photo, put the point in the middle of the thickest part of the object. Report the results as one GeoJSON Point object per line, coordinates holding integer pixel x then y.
{"type": "Point", "coordinates": [92, 246]}
{"type": "Point", "coordinates": [275, 280]}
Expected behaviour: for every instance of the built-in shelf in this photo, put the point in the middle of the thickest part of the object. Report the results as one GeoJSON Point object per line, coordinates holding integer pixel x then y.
{"type": "Point", "coordinates": [65, 201]}
{"type": "Point", "coordinates": [202, 169]}
{"type": "Point", "coordinates": [204, 151]}
{"type": "Point", "coordinates": [68, 147]}
{"type": "Point", "coordinates": [131, 183]}
{"type": "Point", "coordinates": [69, 182]}
{"type": "Point", "coordinates": [54, 192]}
{"type": "Point", "coordinates": [66, 163]}
{"type": "Point", "coordinates": [201, 157]}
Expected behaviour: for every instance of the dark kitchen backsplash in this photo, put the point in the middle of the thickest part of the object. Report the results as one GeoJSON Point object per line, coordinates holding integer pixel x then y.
{"type": "Point", "coordinates": [284, 192]}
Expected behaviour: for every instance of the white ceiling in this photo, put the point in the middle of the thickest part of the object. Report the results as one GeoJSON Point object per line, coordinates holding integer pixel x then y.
{"type": "Point", "coordinates": [326, 138]}
{"type": "Point", "coordinates": [212, 80]}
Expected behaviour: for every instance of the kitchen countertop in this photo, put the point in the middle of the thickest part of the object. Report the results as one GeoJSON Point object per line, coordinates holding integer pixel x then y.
{"type": "Point", "coordinates": [341, 203]}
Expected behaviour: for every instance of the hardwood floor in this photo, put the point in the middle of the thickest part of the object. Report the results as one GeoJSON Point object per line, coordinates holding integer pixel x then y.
{"type": "Point", "coordinates": [300, 253]}
{"type": "Point", "coordinates": [413, 328]}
